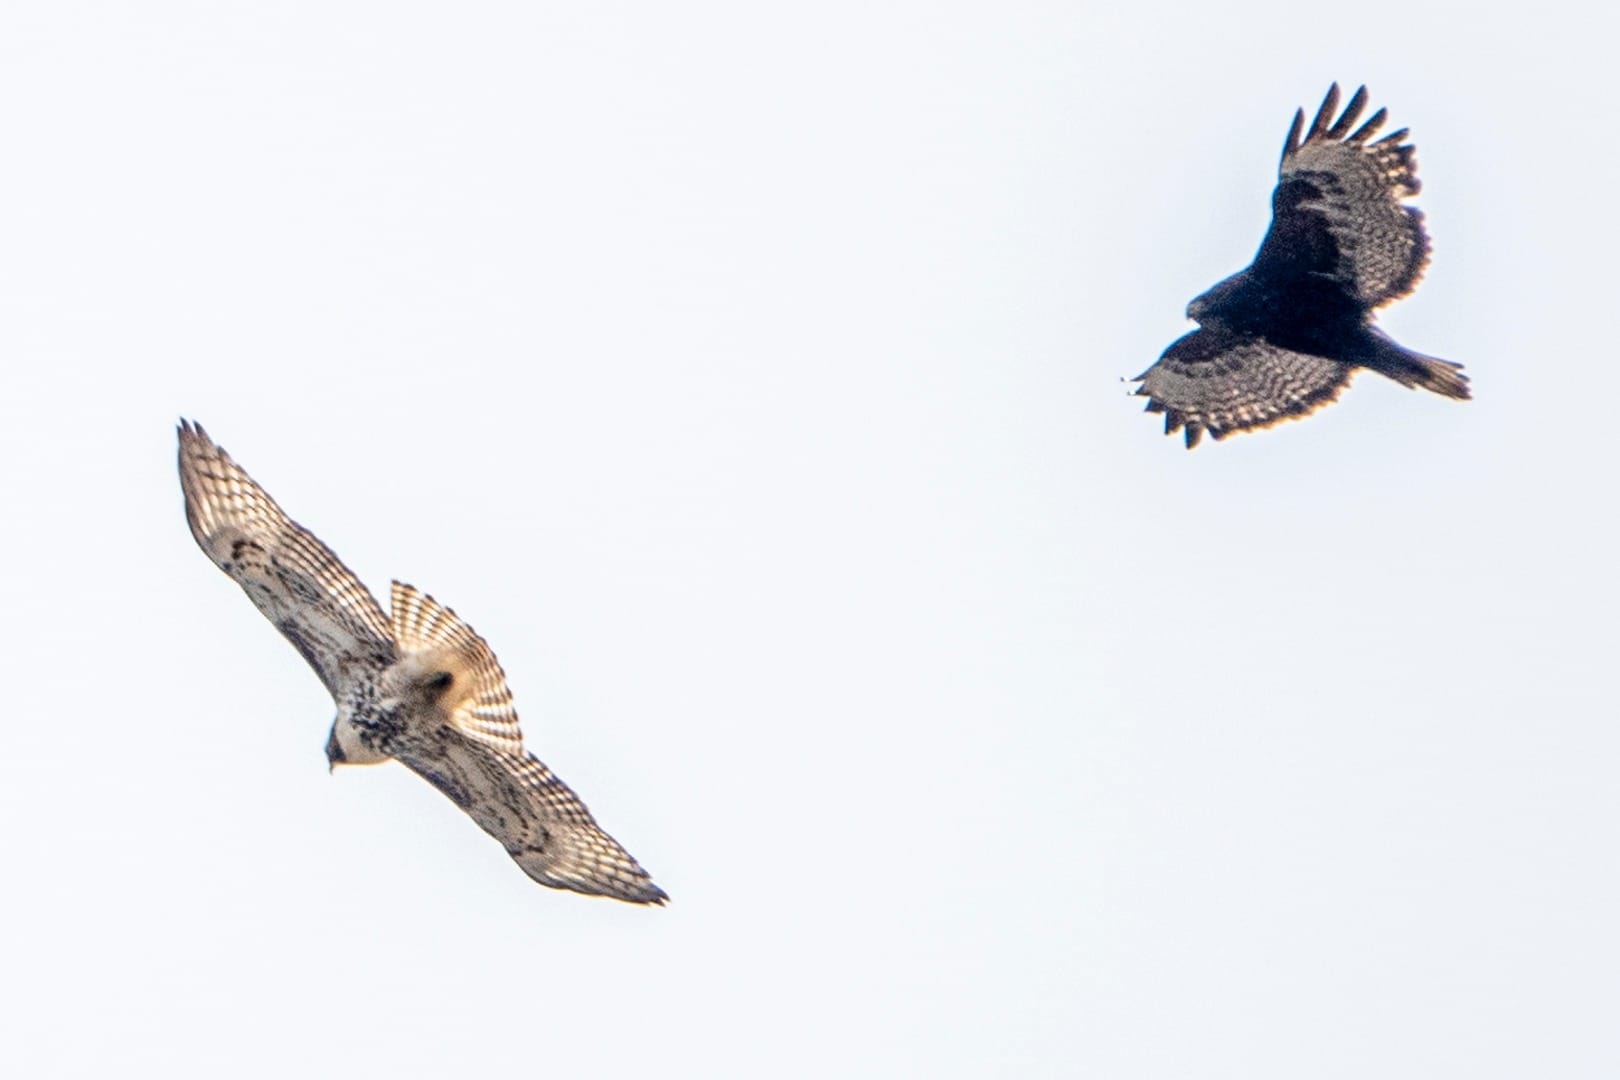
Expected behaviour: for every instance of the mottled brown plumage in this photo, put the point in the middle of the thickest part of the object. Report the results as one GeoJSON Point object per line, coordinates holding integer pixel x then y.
{"type": "Point", "coordinates": [421, 687]}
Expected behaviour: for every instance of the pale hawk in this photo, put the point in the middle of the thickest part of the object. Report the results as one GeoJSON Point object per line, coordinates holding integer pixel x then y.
{"type": "Point", "coordinates": [420, 686]}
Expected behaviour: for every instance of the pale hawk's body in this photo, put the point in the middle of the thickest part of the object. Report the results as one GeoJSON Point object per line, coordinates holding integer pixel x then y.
{"type": "Point", "coordinates": [419, 686]}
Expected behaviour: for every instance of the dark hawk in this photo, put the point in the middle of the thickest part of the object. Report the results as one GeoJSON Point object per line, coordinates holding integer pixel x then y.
{"type": "Point", "coordinates": [1283, 337]}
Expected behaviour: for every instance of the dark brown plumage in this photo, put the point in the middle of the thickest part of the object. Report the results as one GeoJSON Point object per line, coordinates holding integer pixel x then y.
{"type": "Point", "coordinates": [1282, 337]}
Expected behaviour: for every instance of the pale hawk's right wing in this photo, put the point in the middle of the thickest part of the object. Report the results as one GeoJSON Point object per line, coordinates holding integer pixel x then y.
{"type": "Point", "coordinates": [291, 577]}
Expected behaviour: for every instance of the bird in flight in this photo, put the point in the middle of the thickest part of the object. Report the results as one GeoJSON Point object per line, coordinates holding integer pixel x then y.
{"type": "Point", "coordinates": [418, 685]}
{"type": "Point", "coordinates": [1282, 337]}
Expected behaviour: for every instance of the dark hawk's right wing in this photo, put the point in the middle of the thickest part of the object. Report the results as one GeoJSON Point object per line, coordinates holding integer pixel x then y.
{"type": "Point", "coordinates": [1337, 210]}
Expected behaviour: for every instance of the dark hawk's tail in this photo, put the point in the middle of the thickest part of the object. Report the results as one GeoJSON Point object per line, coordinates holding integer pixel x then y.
{"type": "Point", "coordinates": [1414, 369]}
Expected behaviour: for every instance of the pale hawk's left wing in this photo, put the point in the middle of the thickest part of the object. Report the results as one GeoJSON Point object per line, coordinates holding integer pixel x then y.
{"type": "Point", "coordinates": [471, 749]}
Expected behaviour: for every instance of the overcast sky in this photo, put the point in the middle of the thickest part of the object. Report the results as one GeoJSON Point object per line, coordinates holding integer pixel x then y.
{"type": "Point", "coordinates": [750, 380]}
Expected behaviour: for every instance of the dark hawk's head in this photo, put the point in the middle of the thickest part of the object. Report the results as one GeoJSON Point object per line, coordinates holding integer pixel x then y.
{"type": "Point", "coordinates": [1209, 309]}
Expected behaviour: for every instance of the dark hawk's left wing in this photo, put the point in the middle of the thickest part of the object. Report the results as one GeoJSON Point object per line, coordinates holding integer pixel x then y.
{"type": "Point", "coordinates": [1221, 383]}
{"type": "Point", "coordinates": [1337, 210]}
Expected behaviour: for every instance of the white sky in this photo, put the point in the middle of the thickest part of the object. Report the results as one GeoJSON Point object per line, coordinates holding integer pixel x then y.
{"type": "Point", "coordinates": [751, 381]}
